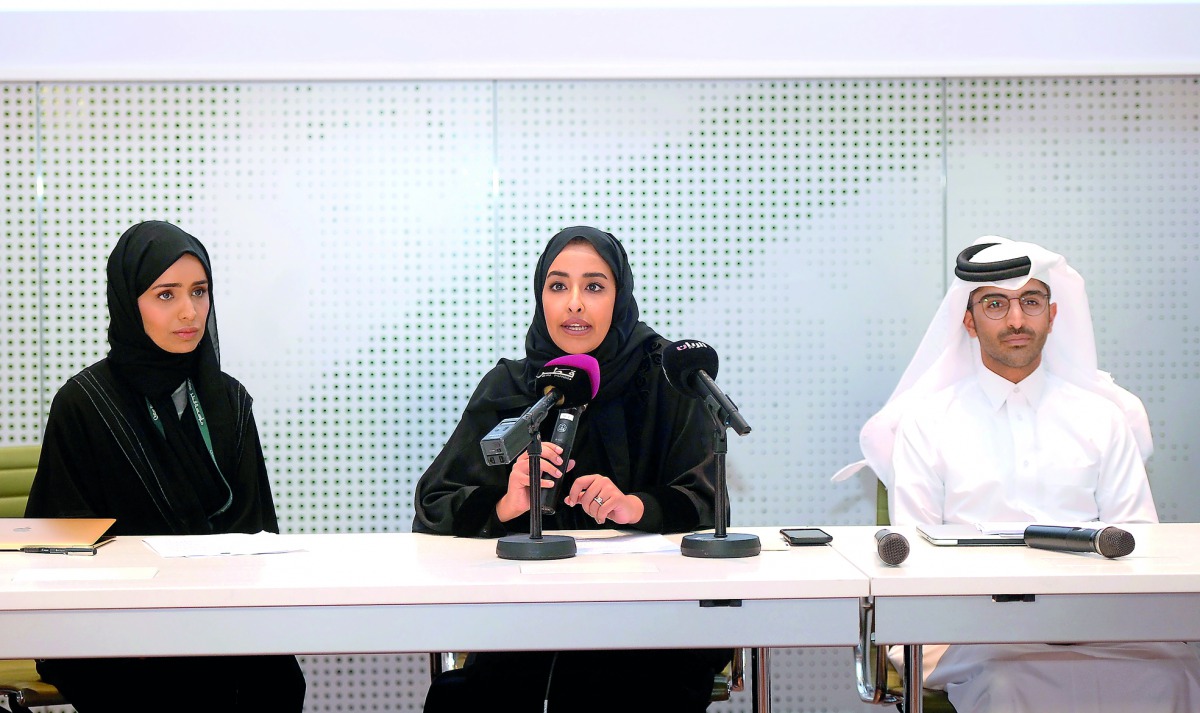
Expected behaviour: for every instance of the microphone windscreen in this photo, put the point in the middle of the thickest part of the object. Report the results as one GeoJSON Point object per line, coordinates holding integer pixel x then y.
{"type": "Point", "coordinates": [1114, 542]}
{"type": "Point", "coordinates": [892, 547]}
{"type": "Point", "coordinates": [577, 376]}
{"type": "Point", "coordinates": [682, 359]}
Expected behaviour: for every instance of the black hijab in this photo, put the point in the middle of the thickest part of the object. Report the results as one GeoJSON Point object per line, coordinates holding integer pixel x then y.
{"type": "Point", "coordinates": [619, 355]}
{"type": "Point", "coordinates": [192, 479]}
{"type": "Point", "coordinates": [141, 255]}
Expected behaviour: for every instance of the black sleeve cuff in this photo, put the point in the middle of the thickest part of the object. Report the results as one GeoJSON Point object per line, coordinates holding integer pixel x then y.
{"type": "Point", "coordinates": [667, 510]}
{"type": "Point", "coordinates": [476, 516]}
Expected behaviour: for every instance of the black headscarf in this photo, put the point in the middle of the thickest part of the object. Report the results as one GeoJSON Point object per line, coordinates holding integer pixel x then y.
{"type": "Point", "coordinates": [193, 481]}
{"type": "Point", "coordinates": [143, 253]}
{"type": "Point", "coordinates": [619, 355]}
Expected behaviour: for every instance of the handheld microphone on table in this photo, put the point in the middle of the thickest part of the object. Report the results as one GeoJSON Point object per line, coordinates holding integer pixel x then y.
{"type": "Point", "coordinates": [567, 382]}
{"type": "Point", "coordinates": [892, 547]}
{"type": "Point", "coordinates": [562, 436]}
{"type": "Point", "coordinates": [690, 367]}
{"type": "Point", "coordinates": [1109, 541]}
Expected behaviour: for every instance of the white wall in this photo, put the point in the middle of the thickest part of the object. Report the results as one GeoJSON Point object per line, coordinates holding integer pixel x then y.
{"type": "Point", "coordinates": [73, 41]}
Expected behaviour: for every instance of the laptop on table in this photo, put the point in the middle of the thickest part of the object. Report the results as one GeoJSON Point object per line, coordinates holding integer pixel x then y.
{"type": "Point", "coordinates": [53, 535]}
{"type": "Point", "coordinates": [958, 535]}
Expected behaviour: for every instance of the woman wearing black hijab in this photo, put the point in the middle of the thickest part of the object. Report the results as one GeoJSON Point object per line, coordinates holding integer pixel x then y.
{"type": "Point", "coordinates": [642, 458]}
{"type": "Point", "coordinates": [158, 437]}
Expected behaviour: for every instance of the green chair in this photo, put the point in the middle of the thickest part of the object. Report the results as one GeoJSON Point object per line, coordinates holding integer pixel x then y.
{"type": "Point", "coordinates": [17, 466]}
{"type": "Point", "coordinates": [20, 685]}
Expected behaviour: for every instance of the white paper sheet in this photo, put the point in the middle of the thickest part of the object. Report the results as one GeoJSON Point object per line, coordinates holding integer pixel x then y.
{"type": "Point", "coordinates": [625, 543]}
{"type": "Point", "coordinates": [237, 543]}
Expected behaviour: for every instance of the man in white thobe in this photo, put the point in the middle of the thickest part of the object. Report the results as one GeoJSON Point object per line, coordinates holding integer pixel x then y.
{"type": "Point", "coordinates": [1002, 416]}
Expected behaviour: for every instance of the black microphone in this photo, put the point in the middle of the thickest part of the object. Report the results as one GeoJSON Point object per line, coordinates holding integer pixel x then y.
{"type": "Point", "coordinates": [892, 547]}
{"type": "Point", "coordinates": [1110, 541]}
{"type": "Point", "coordinates": [690, 367]}
{"type": "Point", "coordinates": [563, 436]}
{"type": "Point", "coordinates": [567, 382]}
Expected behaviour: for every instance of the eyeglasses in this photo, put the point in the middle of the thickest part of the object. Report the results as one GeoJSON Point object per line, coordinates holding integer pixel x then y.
{"type": "Point", "coordinates": [996, 306]}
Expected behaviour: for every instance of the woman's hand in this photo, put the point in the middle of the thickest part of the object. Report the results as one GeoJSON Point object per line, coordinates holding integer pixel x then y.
{"type": "Point", "coordinates": [516, 499]}
{"type": "Point", "coordinates": [603, 500]}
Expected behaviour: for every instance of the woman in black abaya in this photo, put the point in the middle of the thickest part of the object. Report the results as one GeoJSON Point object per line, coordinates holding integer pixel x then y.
{"type": "Point", "coordinates": [158, 437]}
{"type": "Point", "coordinates": [642, 459]}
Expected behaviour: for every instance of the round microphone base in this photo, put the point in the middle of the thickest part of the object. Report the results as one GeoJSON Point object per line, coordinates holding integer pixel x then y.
{"type": "Point", "coordinates": [733, 544]}
{"type": "Point", "coordinates": [524, 547]}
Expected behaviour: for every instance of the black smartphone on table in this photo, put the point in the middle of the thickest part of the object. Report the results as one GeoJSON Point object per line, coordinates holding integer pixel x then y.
{"type": "Point", "coordinates": [805, 535]}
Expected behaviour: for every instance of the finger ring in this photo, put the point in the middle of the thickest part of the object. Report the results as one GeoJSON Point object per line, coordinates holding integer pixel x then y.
{"type": "Point", "coordinates": [598, 500]}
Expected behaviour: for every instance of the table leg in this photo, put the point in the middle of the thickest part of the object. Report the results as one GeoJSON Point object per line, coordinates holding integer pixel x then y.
{"type": "Point", "coordinates": [913, 702]}
{"type": "Point", "coordinates": [760, 662]}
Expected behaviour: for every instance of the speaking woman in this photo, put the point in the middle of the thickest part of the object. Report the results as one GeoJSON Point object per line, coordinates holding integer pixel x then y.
{"type": "Point", "coordinates": [642, 459]}
{"type": "Point", "coordinates": [156, 436]}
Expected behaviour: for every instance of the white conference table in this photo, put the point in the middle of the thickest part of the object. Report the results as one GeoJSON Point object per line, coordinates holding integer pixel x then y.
{"type": "Point", "coordinates": [963, 595]}
{"type": "Point", "coordinates": [391, 593]}
{"type": "Point", "coordinates": [399, 592]}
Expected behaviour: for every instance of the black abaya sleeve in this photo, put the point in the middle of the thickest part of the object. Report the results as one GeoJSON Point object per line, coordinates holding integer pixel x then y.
{"type": "Point", "coordinates": [458, 493]}
{"type": "Point", "coordinates": [67, 457]}
{"type": "Point", "coordinates": [82, 472]}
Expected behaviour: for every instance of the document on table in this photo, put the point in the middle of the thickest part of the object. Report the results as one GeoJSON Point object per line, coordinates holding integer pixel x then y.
{"type": "Point", "coordinates": [234, 543]}
{"type": "Point", "coordinates": [622, 544]}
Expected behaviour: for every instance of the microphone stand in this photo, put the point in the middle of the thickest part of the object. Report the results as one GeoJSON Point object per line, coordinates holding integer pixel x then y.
{"type": "Point", "coordinates": [719, 543]}
{"type": "Point", "coordinates": [535, 546]}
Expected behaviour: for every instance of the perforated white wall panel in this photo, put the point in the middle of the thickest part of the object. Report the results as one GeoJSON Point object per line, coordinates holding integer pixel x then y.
{"type": "Point", "coordinates": [20, 316]}
{"type": "Point", "coordinates": [373, 246]}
